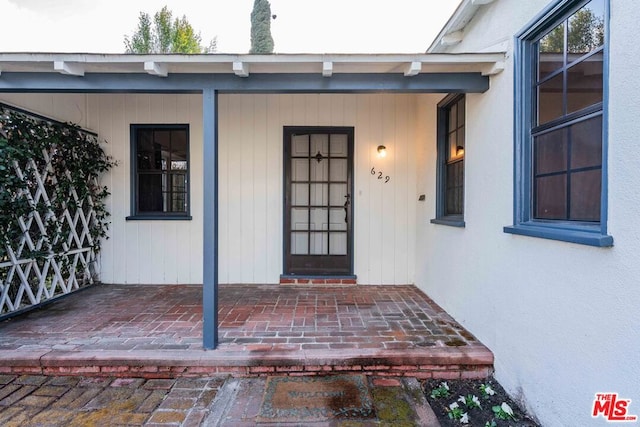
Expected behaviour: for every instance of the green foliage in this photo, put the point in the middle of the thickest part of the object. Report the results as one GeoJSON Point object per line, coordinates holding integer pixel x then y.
{"type": "Point", "coordinates": [261, 40]}
{"type": "Point", "coordinates": [166, 35]}
{"type": "Point", "coordinates": [585, 33]}
{"type": "Point", "coordinates": [441, 391]}
{"type": "Point", "coordinates": [66, 161]}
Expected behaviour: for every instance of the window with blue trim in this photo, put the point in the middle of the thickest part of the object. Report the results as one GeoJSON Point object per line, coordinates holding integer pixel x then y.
{"type": "Point", "coordinates": [159, 172]}
{"type": "Point", "coordinates": [560, 187]}
{"type": "Point", "coordinates": [450, 168]}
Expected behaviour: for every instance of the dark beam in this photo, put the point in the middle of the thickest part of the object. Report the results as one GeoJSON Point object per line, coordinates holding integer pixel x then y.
{"type": "Point", "coordinates": [255, 83]}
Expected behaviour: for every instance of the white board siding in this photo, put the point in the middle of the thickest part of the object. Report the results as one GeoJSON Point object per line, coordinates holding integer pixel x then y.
{"type": "Point", "coordinates": [251, 181]}
{"type": "Point", "coordinates": [136, 251]}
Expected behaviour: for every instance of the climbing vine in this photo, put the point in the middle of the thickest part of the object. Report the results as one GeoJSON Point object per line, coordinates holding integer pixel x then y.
{"type": "Point", "coordinates": [50, 201]}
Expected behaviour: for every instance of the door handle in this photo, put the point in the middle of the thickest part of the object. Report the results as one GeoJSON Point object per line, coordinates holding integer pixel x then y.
{"type": "Point", "coordinates": [346, 207]}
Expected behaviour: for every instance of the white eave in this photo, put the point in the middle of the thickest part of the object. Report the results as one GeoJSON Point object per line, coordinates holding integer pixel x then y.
{"type": "Point", "coordinates": [78, 64]}
{"type": "Point", "coordinates": [453, 31]}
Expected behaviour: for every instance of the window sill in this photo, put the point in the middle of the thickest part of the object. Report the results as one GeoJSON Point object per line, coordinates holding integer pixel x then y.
{"type": "Point", "coordinates": [159, 218]}
{"type": "Point", "coordinates": [581, 237]}
{"type": "Point", "coordinates": [451, 222]}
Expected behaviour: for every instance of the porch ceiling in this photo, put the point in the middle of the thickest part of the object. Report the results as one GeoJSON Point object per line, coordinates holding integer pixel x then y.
{"type": "Point", "coordinates": [79, 64]}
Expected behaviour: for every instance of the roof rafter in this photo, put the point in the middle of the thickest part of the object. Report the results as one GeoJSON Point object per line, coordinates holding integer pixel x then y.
{"type": "Point", "coordinates": [156, 68]}
{"type": "Point", "coordinates": [68, 68]}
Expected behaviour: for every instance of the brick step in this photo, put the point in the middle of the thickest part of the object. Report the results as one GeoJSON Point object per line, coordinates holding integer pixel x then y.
{"type": "Point", "coordinates": [440, 363]}
{"type": "Point", "coordinates": [319, 280]}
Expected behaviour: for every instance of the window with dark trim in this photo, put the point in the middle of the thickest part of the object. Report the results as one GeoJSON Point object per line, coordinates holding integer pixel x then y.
{"type": "Point", "coordinates": [160, 172]}
{"type": "Point", "coordinates": [450, 168]}
{"type": "Point", "coordinates": [560, 146]}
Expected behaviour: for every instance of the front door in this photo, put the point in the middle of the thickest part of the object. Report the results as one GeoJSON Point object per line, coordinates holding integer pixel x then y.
{"type": "Point", "coordinates": [318, 192]}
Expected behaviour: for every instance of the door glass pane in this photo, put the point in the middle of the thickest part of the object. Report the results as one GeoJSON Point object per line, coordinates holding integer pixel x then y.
{"type": "Point", "coordinates": [319, 170]}
{"type": "Point", "coordinates": [299, 169]}
{"type": "Point", "coordinates": [320, 144]}
{"type": "Point", "coordinates": [300, 194]}
{"type": "Point", "coordinates": [319, 194]}
{"type": "Point", "coordinates": [338, 169]}
{"type": "Point", "coordinates": [585, 195]}
{"type": "Point", "coordinates": [319, 219]}
{"type": "Point", "coordinates": [319, 243]}
{"type": "Point", "coordinates": [551, 52]}
{"type": "Point", "coordinates": [300, 145]}
{"type": "Point", "coordinates": [339, 145]}
{"type": "Point", "coordinates": [337, 219]}
{"type": "Point", "coordinates": [338, 244]}
{"type": "Point", "coordinates": [551, 197]}
{"type": "Point", "coordinates": [586, 29]}
{"type": "Point", "coordinates": [551, 152]}
{"type": "Point", "coordinates": [550, 100]}
{"type": "Point", "coordinates": [338, 193]}
{"type": "Point", "coordinates": [299, 219]}
{"type": "Point", "coordinates": [584, 83]}
{"type": "Point", "coordinates": [586, 143]}
{"type": "Point", "coordinates": [299, 243]}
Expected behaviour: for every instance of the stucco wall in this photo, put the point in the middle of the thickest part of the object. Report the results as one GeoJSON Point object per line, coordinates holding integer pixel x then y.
{"type": "Point", "coordinates": [251, 182]}
{"type": "Point", "coordinates": [562, 319]}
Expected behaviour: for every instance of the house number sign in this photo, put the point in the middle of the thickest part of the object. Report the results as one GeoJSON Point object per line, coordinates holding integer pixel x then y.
{"type": "Point", "coordinates": [380, 175]}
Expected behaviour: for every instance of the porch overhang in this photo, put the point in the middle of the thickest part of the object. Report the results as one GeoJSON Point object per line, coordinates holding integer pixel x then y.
{"type": "Point", "coordinates": [290, 73]}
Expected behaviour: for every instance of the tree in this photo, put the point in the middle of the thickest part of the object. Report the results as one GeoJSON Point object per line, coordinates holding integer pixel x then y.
{"type": "Point", "coordinates": [586, 32]}
{"type": "Point", "coordinates": [166, 35]}
{"type": "Point", "coordinates": [261, 40]}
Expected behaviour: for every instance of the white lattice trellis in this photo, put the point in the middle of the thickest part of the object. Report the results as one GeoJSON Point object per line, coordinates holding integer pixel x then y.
{"type": "Point", "coordinates": [27, 281]}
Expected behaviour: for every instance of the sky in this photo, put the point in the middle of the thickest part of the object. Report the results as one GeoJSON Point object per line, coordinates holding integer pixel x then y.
{"type": "Point", "coordinates": [301, 26]}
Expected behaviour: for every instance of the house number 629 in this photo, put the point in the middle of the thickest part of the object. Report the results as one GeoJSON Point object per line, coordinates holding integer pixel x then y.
{"type": "Point", "coordinates": [374, 172]}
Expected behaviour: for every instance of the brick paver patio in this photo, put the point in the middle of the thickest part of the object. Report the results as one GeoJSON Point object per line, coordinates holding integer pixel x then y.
{"type": "Point", "coordinates": [157, 331]}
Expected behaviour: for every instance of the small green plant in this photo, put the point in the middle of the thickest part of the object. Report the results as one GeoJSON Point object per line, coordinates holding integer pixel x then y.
{"type": "Point", "coordinates": [504, 412]}
{"type": "Point", "coordinates": [471, 401]}
{"type": "Point", "coordinates": [486, 391]}
{"type": "Point", "coordinates": [455, 413]}
{"type": "Point", "coordinates": [491, 423]}
{"type": "Point", "coordinates": [441, 391]}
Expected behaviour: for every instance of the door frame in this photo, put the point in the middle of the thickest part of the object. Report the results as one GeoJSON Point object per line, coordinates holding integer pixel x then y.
{"type": "Point", "coordinates": [288, 132]}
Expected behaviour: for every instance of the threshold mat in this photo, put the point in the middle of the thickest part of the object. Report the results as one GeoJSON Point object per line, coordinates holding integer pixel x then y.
{"type": "Point", "coordinates": [309, 399]}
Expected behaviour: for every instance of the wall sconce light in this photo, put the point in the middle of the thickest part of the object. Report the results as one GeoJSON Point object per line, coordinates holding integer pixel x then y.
{"type": "Point", "coordinates": [382, 151]}
{"type": "Point", "coordinates": [459, 150]}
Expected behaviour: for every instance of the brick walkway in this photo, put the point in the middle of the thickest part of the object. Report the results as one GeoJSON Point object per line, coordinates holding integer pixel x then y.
{"type": "Point", "coordinates": [35, 400]}
{"type": "Point", "coordinates": [157, 331]}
